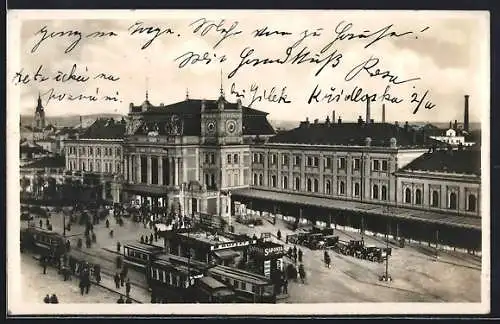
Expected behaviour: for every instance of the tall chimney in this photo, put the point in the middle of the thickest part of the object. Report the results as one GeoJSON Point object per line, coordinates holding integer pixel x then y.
{"type": "Point", "coordinates": [383, 113]}
{"type": "Point", "coordinates": [81, 125]}
{"type": "Point", "coordinates": [333, 116]}
{"type": "Point", "coordinates": [466, 113]}
{"type": "Point", "coordinates": [367, 111]}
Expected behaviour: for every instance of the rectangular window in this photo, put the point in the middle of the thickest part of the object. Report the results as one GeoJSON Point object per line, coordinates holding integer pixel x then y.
{"type": "Point", "coordinates": [296, 160]}
{"type": "Point", "coordinates": [316, 161]}
{"type": "Point", "coordinates": [273, 159]}
{"type": "Point", "coordinates": [384, 165]}
{"type": "Point", "coordinates": [207, 158]}
{"type": "Point", "coordinates": [357, 164]}
{"type": "Point", "coordinates": [328, 163]}
{"type": "Point", "coordinates": [285, 159]}
{"type": "Point", "coordinates": [261, 158]}
{"type": "Point", "coordinates": [376, 165]}
{"type": "Point", "coordinates": [341, 163]}
{"type": "Point", "coordinates": [229, 159]}
{"type": "Point", "coordinates": [309, 161]}
{"type": "Point", "coordinates": [91, 151]}
{"type": "Point", "coordinates": [212, 158]}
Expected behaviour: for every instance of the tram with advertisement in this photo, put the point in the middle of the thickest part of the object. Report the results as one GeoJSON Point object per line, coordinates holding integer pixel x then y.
{"type": "Point", "coordinates": [44, 242]}
{"type": "Point", "coordinates": [139, 255]}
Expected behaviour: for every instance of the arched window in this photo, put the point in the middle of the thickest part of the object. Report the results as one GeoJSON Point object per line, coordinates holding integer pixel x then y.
{"type": "Point", "coordinates": [309, 185]}
{"type": "Point", "coordinates": [435, 198]}
{"type": "Point", "coordinates": [255, 179]}
{"type": "Point", "coordinates": [261, 182]}
{"type": "Point", "coordinates": [285, 182]}
{"type": "Point", "coordinates": [375, 192]}
{"type": "Point", "coordinates": [453, 201]}
{"type": "Point", "coordinates": [342, 188]}
{"type": "Point", "coordinates": [316, 185]}
{"type": "Point", "coordinates": [356, 189]}
{"type": "Point", "coordinates": [384, 192]}
{"type": "Point", "coordinates": [418, 197]}
{"type": "Point", "coordinates": [328, 187]}
{"type": "Point", "coordinates": [471, 203]}
{"type": "Point", "coordinates": [273, 181]}
{"type": "Point", "coordinates": [297, 183]}
{"type": "Point", "coordinates": [408, 195]}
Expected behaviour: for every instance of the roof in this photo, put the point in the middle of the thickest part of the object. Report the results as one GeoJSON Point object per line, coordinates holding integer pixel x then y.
{"type": "Point", "coordinates": [189, 111]}
{"type": "Point", "coordinates": [212, 283]}
{"type": "Point", "coordinates": [372, 208]}
{"type": "Point", "coordinates": [448, 161]}
{"type": "Point", "coordinates": [238, 274]}
{"type": "Point", "coordinates": [57, 161]}
{"type": "Point", "coordinates": [105, 129]}
{"type": "Point", "coordinates": [351, 134]}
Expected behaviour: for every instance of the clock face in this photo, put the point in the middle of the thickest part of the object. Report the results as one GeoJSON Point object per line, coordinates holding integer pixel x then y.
{"type": "Point", "coordinates": [231, 126]}
{"type": "Point", "coordinates": [211, 126]}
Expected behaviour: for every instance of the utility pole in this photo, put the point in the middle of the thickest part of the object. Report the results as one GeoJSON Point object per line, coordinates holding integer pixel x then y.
{"type": "Point", "coordinates": [362, 228]}
{"type": "Point", "coordinates": [387, 255]}
{"type": "Point", "coordinates": [437, 243]}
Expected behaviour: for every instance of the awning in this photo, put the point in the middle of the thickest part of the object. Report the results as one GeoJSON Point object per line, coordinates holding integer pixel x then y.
{"type": "Point", "coordinates": [391, 211]}
{"type": "Point", "coordinates": [226, 254]}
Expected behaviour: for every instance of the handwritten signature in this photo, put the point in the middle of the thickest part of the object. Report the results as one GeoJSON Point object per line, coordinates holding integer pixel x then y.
{"type": "Point", "coordinates": [369, 66]}
{"type": "Point", "coordinates": [257, 94]}
{"type": "Point", "coordinates": [204, 26]}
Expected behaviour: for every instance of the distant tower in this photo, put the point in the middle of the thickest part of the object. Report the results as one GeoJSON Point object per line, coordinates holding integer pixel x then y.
{"type": "Point", "coordinates": [39, 114]}
{"type": "Point", "coordinates": [368, 116]}
{"type": "Point", "coordinates": [466, 113]}
{"type": "Point", "coordinates": [383, 113]}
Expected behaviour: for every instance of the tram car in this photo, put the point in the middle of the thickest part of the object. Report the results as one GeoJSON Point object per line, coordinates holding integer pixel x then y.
{"type": "Point", "coordinates": [172, 282]}
{"type": "Point", "coordinates": [248, 286]}
{"type": "Point", "coordinates": [43, 242]}
{"type": "Point", "coordinates": [139, 255]}
{"type": "Point", "coordinates": [211, 290]}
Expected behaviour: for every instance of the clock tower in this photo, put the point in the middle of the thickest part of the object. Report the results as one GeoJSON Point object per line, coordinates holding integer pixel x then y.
{"type": "Point", "coordinates": [221, 121]}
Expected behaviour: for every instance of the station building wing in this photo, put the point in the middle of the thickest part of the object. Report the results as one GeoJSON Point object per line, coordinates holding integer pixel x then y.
{"type": "Point", "coordinates": [352, 134]}
{"type": "Point", "coordinates": [448, 161]}
{"type": "Point", "coordinates": [105, 129]}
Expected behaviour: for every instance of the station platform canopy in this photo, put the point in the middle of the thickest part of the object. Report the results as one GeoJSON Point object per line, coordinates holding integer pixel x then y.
{"type": "Point", "coordinates": [361, 207]}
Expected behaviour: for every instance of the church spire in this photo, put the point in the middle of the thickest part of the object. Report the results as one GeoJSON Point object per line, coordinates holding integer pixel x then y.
{"type": "Point", "coordinates": [39, 106]}
{"type": "Point", "coordinates": [221, 86]}
{"type": "Point", "coordinates": [187, 94]}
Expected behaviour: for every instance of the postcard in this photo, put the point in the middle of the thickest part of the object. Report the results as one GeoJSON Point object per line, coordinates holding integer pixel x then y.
{"type": "Point", "coordinates": [251, 162]}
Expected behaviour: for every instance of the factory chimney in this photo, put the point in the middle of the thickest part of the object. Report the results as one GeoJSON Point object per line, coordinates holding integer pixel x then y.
{"type": "Point", "coordinates": [81, 124]}
{"type": "Point", "coordinates": [368, 111]}
{"type": "Point", "coordinates": [466, 113]}
{"type": "Point", "coordinates": [333, 116]}
{"type": "Point", "coordinates": [383, 113]}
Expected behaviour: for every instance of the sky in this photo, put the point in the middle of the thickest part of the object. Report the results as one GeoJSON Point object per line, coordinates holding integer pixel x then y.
{"type": "Point", "coordinates": [447, 53]}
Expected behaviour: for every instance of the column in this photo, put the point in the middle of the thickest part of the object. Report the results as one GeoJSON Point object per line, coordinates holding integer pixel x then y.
{"type": "Point", "coordinates": [125, 166]}
{"type": "Point", "coordinates": [103, 190]}
{"type": "Point", "coordinates": [178, 169]}
{"type": "Point", "coordinates": [150, 174]}
{"type": "Point", "coordinates": [160, 170]}
{"type": "Point", "coordinates": [130, 169]}
{"type": "Point", "coordinates": [138, 159]}
{"type": "Point", "coordinates": [174, 172]}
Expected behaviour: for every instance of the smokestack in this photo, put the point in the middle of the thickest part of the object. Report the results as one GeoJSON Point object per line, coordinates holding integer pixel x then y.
{"type": "Point", "coordinates": [466, 113]}
{"type": "Point", "coordinates": [81, 124]}
{"type": "Point", "coordinates": [455, 125]}
{"type": "Point", "coordinates": [333, 116]}
{"type": "Point", "coordinates": [383, 113]}
{"type": "Point", "coordinates": [367, 111]}
{"type": "Point", "coordinates": [450, 126]}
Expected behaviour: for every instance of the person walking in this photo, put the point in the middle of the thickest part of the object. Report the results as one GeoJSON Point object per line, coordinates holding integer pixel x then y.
{"type": "Point", "coordinates": [285, 286]}
{"type": "Point", "coordinates": [142, 239]}
{"type": "Point", "coordinates": [118, 246]}
{"type": "Point", "coordinates": [41, 223]}
{"type": "Point", "coordinates": [53, 299]}
{"type": "Point", "coordinates": [122, 278]}
{"type": "Point", "coordinates": [107, 223]}
{"type": "Point", "coordinates": [82, 287]}
{"type": "Point", "coordinates": [300, 255]}
{"type": "Point", "coordinates": [87, 285]}
{"type": "Point", "coordinates": [46, 300]}
{"type": "Point", "coordinates": [127, 287]}
{"type": "Point", "coordinates": [151, 238]}
{"type": "Point", "coordinates": [117, 280]}
{"type": "Point", "coordinates": [44, 264]}
{"type": "Point", "coordinates": [278, 235]}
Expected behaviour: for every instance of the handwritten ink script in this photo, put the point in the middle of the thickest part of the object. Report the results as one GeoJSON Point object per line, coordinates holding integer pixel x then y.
{"type": "Point", "coordinates": [242, 49]}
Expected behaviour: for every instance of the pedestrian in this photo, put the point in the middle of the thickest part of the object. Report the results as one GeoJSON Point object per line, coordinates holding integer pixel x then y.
{"type": "Point", "coordinates": [41, 223]}
{"type": "Point", "coordinates": [82, 287]}
{"type": "Point", "coordinates": [107, 223]}
{"type": "Point", "coordinates": [151, 238]}
{"type": "Point", "coordinates": [302, 272]}
{"type": "Point", "coordinates": [278, 235]}
{"type": "Point", "coordinates": [97, 273]}
{"type": "Point", "coordinates": [300, 255]}
{"type": "Point", "coordinates": [295, 249]}
{"type": "Point", "coordinates": [122, 278]}
{"type": "Point", "coordinates": [46, 300]}
{"type": "Point", "coordinates": [44, 264]}
{"type": "Point", "coordinates": [118, 246]}
{"type": "Point", "coordinates": [68, 245]}
{"type": "Point", "coordinates": [142, 239]}
{"type": "Point", "coordinates": [156, 236]}
{"type": "Point", "coordinates": [120, 300]}
{"type": "Point", "coordinates": [87, 285]}
{"type": "Point", "coordinates": [295, 256]}
{"type": "Point", "coordinates": [111, 233]}
{"type": "Point", "coordinates": [94, 238]}
{"type": "Point", "coordinates": [117, 281]}
{"type": "Point", "coordinates": [47, 222]}
{"type": "Point", "coordinates": [128, 301]}
{"type": "Point", "coordinates": [53, 299]}
{"type": "Point", "coordinates": [127, 287]}
{"type": "Point", "coordinates": [285, 286]}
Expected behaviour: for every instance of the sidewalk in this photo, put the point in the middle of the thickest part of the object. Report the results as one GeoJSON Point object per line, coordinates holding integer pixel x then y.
{"type": "Point", "coordinates": [137, 294]}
